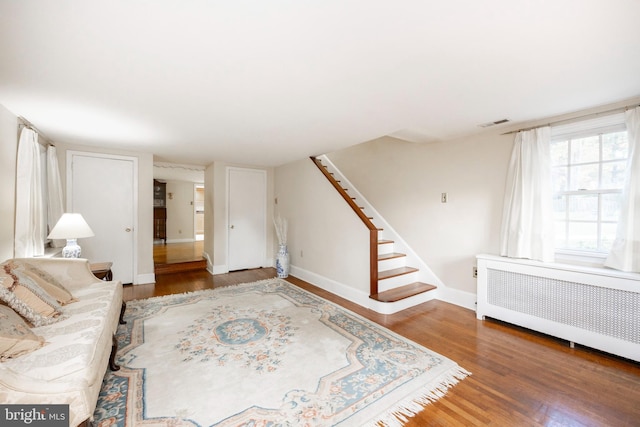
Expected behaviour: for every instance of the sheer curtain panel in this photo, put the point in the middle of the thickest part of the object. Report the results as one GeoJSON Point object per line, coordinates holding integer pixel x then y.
{"type": "Point", "coordinates": [527, 218]}
{"type": "Point", "coordinates": [625, 251]}
{"type": "Point", "coordinates": [30, 220]}
{"type": "Point", "coordinates": [54, 188]}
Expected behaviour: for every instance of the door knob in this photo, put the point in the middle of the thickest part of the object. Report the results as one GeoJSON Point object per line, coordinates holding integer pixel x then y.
{"type": "Point", "coordinates": [233, 226]}
{"type": "Point", "coordinates": [127, 229]}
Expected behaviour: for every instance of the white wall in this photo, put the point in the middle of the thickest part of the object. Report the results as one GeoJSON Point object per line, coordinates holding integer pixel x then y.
{"type": "Point", "coordinates": [209, 231]}
{"type": "Point", "coordinates": [328, 243]}
{"type": "Point", "coordinates": [404, 182]}
{"type": "Point", "coordinates": [180, 211]}
{"type": "Point", "coordinates": [8, 151]}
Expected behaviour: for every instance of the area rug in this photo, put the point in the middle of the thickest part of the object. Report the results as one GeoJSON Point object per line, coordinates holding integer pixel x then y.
{"type": "Point", "coordinates": [266, 353]}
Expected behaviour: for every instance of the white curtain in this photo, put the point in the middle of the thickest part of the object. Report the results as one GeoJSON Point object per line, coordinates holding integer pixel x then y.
{"type": "Point", "coordinates": [55, 206]}
{"type": "Point", "coordinates": [30, 225]}
{"type": "Point", "coordinates": [625, 251]}
{"type": "Point", "coordinates": [527, 218]}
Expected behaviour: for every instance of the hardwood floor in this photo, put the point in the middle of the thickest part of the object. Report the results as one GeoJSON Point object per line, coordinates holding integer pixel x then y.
{"type": "Point", "coordinates": [171, 253]}
{"type": "Point", "coordinates": [519, 377]}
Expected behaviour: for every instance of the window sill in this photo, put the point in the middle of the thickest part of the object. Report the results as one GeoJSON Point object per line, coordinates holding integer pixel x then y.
{"type": "Point", "coordinates": [588, 259]}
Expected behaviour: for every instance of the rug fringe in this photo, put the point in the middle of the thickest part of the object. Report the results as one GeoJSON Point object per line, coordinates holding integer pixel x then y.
{"type": "Point", "coordinates": [400, 413]}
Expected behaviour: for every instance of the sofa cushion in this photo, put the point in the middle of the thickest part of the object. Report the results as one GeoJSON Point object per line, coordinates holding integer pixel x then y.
{"type": "Point", "coordinates": [78, 342]}
{"type": "Point", "coordinates": [15, 336]}
{"type": "Point", "coordinates": [43, 279]}
{"type": "Point", "coordinates": [21, 293]}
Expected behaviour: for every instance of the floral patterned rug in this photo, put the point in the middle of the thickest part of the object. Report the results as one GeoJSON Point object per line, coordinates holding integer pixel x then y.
{"type": "Point", "coordinates": [264, 354]}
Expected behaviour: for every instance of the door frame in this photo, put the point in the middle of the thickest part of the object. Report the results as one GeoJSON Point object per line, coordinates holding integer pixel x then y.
{"type": "Point", "coordinates": [227, 201]}
{"type": "Point", "coordinates": [197, 185]}
{"type": "Point", "coordinates": [69, 190]}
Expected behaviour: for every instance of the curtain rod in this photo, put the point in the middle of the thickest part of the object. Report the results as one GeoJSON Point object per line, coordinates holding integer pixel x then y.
{"type": "Point", "coordinates": [26, 123]}
{"type": "Point", "coordinates": [577, 119]}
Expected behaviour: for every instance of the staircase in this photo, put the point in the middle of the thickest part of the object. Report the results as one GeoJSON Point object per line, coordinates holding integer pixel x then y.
{"type": "Point", "coordinates": [397, 275]}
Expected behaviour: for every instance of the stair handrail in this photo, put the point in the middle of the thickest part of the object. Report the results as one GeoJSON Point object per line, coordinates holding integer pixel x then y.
{"type": "Point", "coordinates": [373, 230]}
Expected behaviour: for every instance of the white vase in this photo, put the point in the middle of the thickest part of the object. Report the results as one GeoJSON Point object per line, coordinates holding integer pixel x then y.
{"type": "Point", "coordinates": [282, 262]}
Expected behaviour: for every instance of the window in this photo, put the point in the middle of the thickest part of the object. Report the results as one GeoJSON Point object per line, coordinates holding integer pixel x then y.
{"type": "Point", "coordinates": [589, 161]}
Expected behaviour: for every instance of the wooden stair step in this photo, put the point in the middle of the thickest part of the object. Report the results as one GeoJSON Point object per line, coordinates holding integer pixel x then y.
{"type": "Point", "coordinates": [384, 242]}
{"type": "Point", "coordinates": [387, 274]}
{"type": "Point", "coordinates": [403, 292]}
{"type": "Point", "coordinates": [390, 256]}
{"type": "Point", "coordinates": [178, 267]}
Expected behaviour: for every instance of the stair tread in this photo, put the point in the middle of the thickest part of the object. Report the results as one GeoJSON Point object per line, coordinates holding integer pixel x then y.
{"type": "Point", "coordinates": [200, 264]}
{"type": "Point", "coordinates": [403, 292]}
{"type": "Point", "coordinates": [387, 274]}
{"type": "Point", "coordinates": [390, 255]}
{"type": "Point", "coordinates": [384, 242]}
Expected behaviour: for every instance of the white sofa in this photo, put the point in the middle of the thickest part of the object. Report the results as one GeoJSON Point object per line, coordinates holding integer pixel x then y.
{"type": "Point", "coordinates": [70, 366]}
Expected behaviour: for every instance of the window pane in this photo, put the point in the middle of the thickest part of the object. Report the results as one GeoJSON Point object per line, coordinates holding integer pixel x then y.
{"type": "Point", "coordinates": [613, 174]}
{"type": "Point", "coordinates": [561, 234]}
{"type": "Point", "coordinates": [585, 150]}
{"type": "Point", "coordinates": [559, 152]}
{"type": "Point", "coordinates": [583, 208]}
{"type": "Point", "coordinates": [588, 174]}
{"type": "Point", "coordinates": [608, 235]}
{"type": "Point", "coordinates": [559, 177]}
{"type": "Point", "coordinates": [615, 146]}
{"type": "Point", "coordinates": [584, 177]}
{"type": "Point", "coordinates": [560, 207]}
{"type": "Point", "coordinates": [583, 235]}
{"type": "Point", "coordinates": [610, 204]}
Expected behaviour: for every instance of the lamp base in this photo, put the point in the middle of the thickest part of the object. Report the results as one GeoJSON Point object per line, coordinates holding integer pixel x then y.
{"type": "Point", "coordinates": [72, 250]}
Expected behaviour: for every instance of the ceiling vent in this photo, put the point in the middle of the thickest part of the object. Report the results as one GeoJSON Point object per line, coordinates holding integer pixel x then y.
{"type": "Point", "coordinates": [497, 122]}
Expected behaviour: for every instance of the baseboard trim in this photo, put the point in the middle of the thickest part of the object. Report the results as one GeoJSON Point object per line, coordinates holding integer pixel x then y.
{"type": "Point", "coordinates": [453, 296]}
{"type": "Point", "coordinates": [143, 279]}
{"type": "Point", "coordinates": [180, 240]}
{"type": "Point", "coordinates": [457, 297]}
{"type": "Point", "coordinates": [218, 269]}
{"type": "Point", "coordinates": [332, 286]}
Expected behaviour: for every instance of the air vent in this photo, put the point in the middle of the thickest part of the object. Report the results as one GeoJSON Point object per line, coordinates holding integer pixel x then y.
{"type": "Point", "coordinates": [497, 122]}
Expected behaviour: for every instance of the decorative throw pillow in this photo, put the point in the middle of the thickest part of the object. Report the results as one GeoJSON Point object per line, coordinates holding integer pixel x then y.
{"type": "Point", "coordinates": [27, 298]}
{"type": "Point", "coordinates": [43, 279]}
{"type": "Point", "coordinates": [15, 336]}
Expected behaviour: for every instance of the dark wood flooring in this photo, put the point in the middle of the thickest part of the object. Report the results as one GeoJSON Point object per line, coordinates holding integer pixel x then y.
{"type": "Point", "coordinates": [519, 377]}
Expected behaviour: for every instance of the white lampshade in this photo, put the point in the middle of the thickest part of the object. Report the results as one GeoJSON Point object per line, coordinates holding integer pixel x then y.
{"type": "Point", "coordinates": [71, 226]}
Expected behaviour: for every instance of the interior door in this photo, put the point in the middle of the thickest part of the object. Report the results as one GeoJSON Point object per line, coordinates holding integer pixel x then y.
{"type": "Point", "coordinates": [103, 189]}
{"type": "Point", "coordinates": [247, 202]}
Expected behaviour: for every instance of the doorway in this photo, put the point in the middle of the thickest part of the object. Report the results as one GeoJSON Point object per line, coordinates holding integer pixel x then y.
{"type": "Point", "coordinates": [183, 200]}
{"type": "Point", "coordinates": [198, 212]}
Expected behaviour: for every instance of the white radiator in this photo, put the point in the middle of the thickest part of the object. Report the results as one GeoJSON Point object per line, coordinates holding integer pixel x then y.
{"type": "Point", "coordinates": [595, 307]}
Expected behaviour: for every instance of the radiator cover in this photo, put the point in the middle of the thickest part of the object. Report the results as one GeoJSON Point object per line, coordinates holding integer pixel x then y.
{"type": "Point", "coordinates": [598, 308]}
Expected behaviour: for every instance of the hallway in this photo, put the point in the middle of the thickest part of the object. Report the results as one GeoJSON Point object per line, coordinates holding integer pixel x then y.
{"type": "Point", "coordinates": [172, 253]}
{"type": "Point", "coordinates": [174, 257]}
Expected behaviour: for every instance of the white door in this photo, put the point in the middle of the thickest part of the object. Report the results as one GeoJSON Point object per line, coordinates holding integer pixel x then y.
{"type": "Point", "coordinates": [247, 202]}
{"type": "Point", "coordinates": [103, 189]}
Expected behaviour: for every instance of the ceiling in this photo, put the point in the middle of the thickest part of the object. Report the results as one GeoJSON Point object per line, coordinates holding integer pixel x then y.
{"type": "Point", "coordinates": [269, 82]}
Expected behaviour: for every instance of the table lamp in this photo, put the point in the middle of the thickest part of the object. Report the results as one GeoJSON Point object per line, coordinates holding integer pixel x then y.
{"type": "Point", "coordinates": [71, 226]}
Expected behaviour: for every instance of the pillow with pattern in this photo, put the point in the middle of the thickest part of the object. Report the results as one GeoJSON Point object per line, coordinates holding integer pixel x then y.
{"type": "Point", "coordinates": [16, 338]}
{"type": "Point", "coordinates": [28, 299]}
{"type": "Point", "coordinates": [43, 279]}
